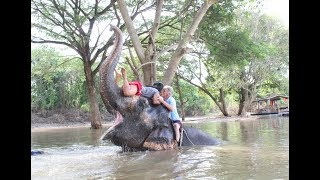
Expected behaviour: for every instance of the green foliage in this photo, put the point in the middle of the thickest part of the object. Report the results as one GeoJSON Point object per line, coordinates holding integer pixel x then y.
{"type": "Point", "coordinates": [197, 103]}
{"type": "Point", "coordinates": [221, 13]}
{"type": "Point", "coordinates": [247, 50]}
{"type": "Point", "coordinates": [226, 40]}
{"type": "Point", "coordinates": [273, 86]}
{"type": "Point", "coordinates": [43, 94]}
{"type": "Point", "coordinates": [85, 107]}
{"type": "Point", "coordinates": [56, 81]}
{"type": "Point", "coordinates": [234, 41]}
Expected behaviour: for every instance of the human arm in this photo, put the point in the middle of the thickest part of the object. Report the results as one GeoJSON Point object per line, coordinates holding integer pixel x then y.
{"type": "Point", "coordinates": [148, 92]}
{"type": "Point", "coordinates": [166, 104]}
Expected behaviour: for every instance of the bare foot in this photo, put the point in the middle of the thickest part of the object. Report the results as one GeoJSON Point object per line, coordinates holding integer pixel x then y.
{"type": "Point", "coordinates": [124, 72]}
{"type": "Point", "coordinates": [118, 75]}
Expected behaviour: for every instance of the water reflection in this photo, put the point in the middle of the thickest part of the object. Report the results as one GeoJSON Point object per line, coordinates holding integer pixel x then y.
{"type": "Point", "coordinates": [252, 149]}
{"type": "Point", "coordinates": [248, 132]}
{"type": "Point", "coordinates": [147, 165]}
{"type": "Point", "coordinates": [66, 137]}
{"type": "Point", "coordinates": [224, 131]}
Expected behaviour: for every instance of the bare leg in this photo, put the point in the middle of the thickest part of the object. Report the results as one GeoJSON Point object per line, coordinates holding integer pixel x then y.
{"type": "Point", "coordinates": [128, 90]}
{"type": "Point", "coordinates": [176, 130]}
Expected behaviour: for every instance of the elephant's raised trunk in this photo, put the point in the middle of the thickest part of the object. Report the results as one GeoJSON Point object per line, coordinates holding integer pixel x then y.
{"type": "Point", "coordinates": [109, 90]}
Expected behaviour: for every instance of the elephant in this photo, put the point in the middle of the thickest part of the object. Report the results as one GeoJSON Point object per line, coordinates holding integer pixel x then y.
{"type": "Point", "coordinates": [139, 125]}
{"type": "Point", "coordinates": [36, 152]}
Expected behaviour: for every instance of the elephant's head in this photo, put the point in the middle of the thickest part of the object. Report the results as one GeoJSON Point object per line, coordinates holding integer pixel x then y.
{"type": "Point", "coordinates": [139, 125]}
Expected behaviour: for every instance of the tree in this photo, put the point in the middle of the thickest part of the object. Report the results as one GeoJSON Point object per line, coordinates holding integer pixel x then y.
{"type": "Point", "coordinates": [234, 43]}
{"type": "Point", "coordinates": [73, 24]}
{"type": "Point", "coordinates": [220, 49]}
{"type": "Point", "coordinates": [76, 25]}
{"type": "Point", "coordinates": [149, 56]}
{"type": "Point", "coordinates": [57, 82]}
{"type": "Point", "coordinates": [210, 80]}
{"type": "Point", "coordinates": [44, 82]}
{"type": "Point", "coordinates": [271, 63]}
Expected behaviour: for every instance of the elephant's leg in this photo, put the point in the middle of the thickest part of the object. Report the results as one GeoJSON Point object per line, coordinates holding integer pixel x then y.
{"type": "Point", "coordinates": [160, 139]}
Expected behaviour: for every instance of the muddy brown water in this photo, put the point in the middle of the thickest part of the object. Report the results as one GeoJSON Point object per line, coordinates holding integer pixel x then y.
{"type": "Point", "coordinates": [250, 149]}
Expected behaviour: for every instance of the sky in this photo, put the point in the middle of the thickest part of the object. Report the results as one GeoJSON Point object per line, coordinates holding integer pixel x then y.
{"type": "Point", "coordinates": [279, 9]}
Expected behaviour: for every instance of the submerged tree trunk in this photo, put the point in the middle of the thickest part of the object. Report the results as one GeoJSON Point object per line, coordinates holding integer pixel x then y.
{"type": "Point", "coordinates": [241, 102]}
{"type": "Point", "coordinates": [245, 101]}
{"type": "Point", "coordinates": [95, 116]}
{"type": "Point", "coordinates": [223, 103]}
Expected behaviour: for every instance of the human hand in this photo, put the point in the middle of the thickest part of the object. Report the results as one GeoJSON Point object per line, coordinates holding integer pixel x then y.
{"type": "Point", "coordinates": [124, 72]}
{"type": "Point", "coordinates": [160, 98]}
{"type": "Point", "coordinates": [118, 74]}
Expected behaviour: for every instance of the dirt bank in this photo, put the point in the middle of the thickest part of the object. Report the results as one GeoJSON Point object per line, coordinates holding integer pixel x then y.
{"type": "Point", "coordinates": [64, 118]}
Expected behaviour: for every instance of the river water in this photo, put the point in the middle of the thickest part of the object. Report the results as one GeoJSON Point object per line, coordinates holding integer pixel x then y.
{"type": "Point", "coordinates": [250, 149]}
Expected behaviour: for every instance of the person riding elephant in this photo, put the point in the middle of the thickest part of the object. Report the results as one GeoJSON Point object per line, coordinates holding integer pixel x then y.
{"type": "Point", "coordinates": [169, 102]}
{"type": "Point", "coordinates": [136, 88]}
{"type": "Point", "coordinates": [140, 124]}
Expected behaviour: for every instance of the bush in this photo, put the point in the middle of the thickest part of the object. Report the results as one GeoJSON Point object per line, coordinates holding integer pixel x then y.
{"type": "Point", "coordinates": [85, 107]}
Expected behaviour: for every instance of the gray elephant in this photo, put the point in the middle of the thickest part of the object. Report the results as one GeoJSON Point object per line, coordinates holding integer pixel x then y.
{"type": "Point", "coordinates": [139, 124]}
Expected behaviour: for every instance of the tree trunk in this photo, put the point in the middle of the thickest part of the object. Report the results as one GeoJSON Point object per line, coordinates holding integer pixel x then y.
{"type": "Point", "coordinates": [182, 107]}
{"type": "Point", "coordinates": [147, 57]}
{"type": "Point", "coordinates": [221, 108]}
{"type": "Point", "coordinates": [95, 117]}
{"type": "Point", "coordinates": [242, 95]}
{"type": "Point", "coordinates": [223, 103]}
{"type": "Point", "coordinates": [147, 75]}
{"type": "Point", "coordinates": [182, 47]}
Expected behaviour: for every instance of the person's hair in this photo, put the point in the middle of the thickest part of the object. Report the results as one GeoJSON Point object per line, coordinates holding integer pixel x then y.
{"type": "Point", "coordinates": [169, 88]}
{"type": "Point", "coordinates": [158, 86]}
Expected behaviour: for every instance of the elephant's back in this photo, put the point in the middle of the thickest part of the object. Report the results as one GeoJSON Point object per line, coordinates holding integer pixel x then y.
{"type": "Point", "coordinates": [194, 136]}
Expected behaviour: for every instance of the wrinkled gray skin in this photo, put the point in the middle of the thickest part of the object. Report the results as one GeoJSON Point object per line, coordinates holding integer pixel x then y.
{"type": "Point", "coordinates": [140, 124]}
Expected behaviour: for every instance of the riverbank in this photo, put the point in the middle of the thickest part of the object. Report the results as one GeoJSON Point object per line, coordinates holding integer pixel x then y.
{"type": "Point", "coordinates": [75, 118]}
{"type": "Point", "coordinates": [64, 119]}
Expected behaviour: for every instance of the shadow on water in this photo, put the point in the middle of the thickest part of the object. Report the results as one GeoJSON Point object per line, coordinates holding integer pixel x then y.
{"type": "Point", "coordinates": [251, 149]}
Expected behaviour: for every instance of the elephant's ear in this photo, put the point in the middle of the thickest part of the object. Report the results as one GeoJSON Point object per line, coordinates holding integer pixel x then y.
{"type": "Point", "coordinates": [160, 139]}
